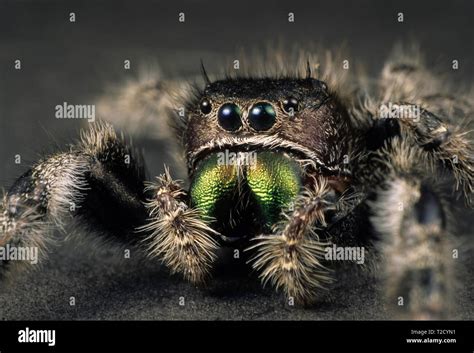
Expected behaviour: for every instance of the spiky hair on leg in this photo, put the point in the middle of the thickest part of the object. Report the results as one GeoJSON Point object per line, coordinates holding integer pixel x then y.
{"type": "Point", "coordinates": [141, 105]}
{"type": "Point", "coordinates": [443, 127]}
{"type": "Point", "coordinates": [112, 149]}
{"type": "Point", "coordinates": [291, 258]}
{"type": "Point", "coordinates": [405, 77]}
{"type": "Point", "coordinates": [145, 107]}
{"type": "Point", "coordinates": [22, 226]}
{"type": "Point", "coordinates": [40, 199]}
{"type": "Point", "coordinates": [38, 203]}
{"type": "Point", "coordinates": [412, 219]}
{"type": "Point", "coordinates": [59, 183]}
{"type": "Point", "coordinates": [446, 144]}
{"type": "Point", "coordinates": [179, 235]}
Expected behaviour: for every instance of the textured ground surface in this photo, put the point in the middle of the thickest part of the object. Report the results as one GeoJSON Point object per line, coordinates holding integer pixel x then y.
{"type": "Point", "coordinates": [73, 63]}
{"type": "Point", "coordinates": [107, 288]}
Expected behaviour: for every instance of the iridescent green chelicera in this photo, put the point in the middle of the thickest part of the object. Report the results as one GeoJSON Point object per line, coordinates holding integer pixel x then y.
{"type": "Point", "coordinates": [275, 181]}
{"type": "Point", "coordinates": [270, 184]}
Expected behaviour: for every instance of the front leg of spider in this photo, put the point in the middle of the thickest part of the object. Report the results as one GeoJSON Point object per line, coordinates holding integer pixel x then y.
{"type": "Point", "coordinates": [178, 234]}
{"type": "Point", "coordinates": [292, 257]}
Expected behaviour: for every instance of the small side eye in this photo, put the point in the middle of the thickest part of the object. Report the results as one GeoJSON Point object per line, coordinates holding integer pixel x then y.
{"type": "Point", "coordinates": [205, 106]}
{"type": "Point", "coordinates": [290, 105]}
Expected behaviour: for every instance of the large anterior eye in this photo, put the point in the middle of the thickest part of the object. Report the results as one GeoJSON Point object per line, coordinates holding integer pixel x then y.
{"type": "Point", "coordinates": [262, 116]}
{"type": "Point", "coordinates": [229, 117]}
{"type": "Point", "coordinates": [205, 106]}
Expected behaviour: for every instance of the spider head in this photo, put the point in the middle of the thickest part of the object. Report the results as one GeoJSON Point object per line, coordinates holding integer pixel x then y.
{"type": "Point", "coordinates": [288, 127]}
{"type": "Point", "coordinates": [298, 115]}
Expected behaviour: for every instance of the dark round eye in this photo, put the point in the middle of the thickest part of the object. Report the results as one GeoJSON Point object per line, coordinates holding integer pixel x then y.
{"type": "Point", "coordinates": [229, 116]}
{"type": "Point", "coordinates": [290, 105]}
{"type": "Point", "coordinates": [205, 106]}
{"type": "Point", "coordinates": [262, 116]}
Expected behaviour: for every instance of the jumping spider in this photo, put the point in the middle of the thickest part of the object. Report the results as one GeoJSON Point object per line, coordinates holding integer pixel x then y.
{"type": "Point", "coordinates": [329, 168]}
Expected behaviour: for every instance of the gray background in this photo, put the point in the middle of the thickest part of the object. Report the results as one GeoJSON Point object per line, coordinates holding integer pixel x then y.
{"type": "Point", "coordinates": [74, 62]}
